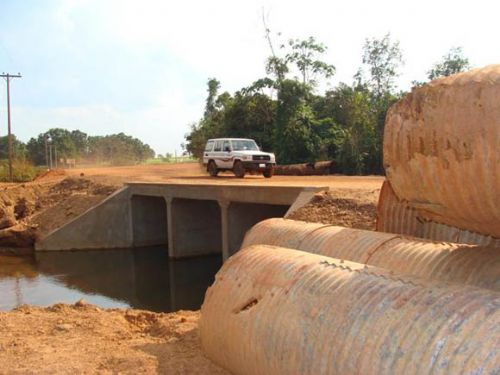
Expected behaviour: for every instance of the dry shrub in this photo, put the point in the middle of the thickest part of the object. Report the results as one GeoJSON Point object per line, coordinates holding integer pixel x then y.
{"type": "Point", "coordinates": [22, 171]}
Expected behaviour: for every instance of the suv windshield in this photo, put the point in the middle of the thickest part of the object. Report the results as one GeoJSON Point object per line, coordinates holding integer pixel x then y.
{"type": "Point", "coordinates": [240, 145]}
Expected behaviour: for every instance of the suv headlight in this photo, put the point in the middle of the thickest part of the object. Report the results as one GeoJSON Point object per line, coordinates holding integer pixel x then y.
{"type": "Point", "coordinates": [245, 157]}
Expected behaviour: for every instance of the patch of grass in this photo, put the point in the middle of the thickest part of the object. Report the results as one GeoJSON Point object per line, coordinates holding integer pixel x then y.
{"type": "Point", "coordinates": [22, 171]}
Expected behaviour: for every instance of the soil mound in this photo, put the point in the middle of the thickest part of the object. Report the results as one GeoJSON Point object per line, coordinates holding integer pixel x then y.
{"type": "Point", "coordinates": [83, 338]}
{"type": "Point", "coordinates": [30, 211]}
{"type": "Point", "coordinates": [51, 173]}
{"type": "Point", "coordinates": [329, 208]}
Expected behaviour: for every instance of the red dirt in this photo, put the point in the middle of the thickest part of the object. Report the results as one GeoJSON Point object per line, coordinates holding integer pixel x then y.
{"type": "Point", "coordinates": [330, 208]}
{"type": "Point", "coordinates": [82, 338]}
{"type": "Point", "coordinates": [32, 210]}
{"type": "Point", "coordinates": [87, 339]}
{"type": "Point", "coordinates": [50, 174]}
{"type": "Point", "coordinates": [193, 173]}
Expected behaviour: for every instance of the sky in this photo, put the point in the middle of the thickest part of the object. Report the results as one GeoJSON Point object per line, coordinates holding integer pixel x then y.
{"type": "Point", "coordinates": [141, 67]}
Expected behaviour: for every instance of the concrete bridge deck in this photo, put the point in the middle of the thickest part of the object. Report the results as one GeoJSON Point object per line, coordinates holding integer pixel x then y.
{"type": "Point", "coordinates": [189, 219]}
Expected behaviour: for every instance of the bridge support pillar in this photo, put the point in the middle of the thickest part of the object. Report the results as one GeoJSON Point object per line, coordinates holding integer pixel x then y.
{"type": "Point", "coordinates": [224, 215]}
{"type": "Point", "coordinates": [194, 227]}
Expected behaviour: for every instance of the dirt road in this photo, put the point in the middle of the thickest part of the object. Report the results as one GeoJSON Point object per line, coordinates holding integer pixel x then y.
{"type": "Point", "coordinates": [193, 173]}
{"type": "Point", "coordinates": [31, 210]}
{"type": "Point", "coordinates": [351, 200]}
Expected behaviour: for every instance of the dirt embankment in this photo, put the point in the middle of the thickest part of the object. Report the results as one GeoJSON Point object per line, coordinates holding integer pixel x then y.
{"type": "Point", "coordinates": [31, 210]}
{"type": "Point", "coordinates": [82, 338]}
{"type": "Point", "coordinates": [352, 209]}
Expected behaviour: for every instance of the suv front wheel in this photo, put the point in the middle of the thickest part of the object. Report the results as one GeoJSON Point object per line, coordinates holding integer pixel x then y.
{"type": "Point", "coordinates": [212, 169]}
{"type": "Point", "coordinates": [268, 173]}
{"type": "Point", "coordinates": [239, 169]}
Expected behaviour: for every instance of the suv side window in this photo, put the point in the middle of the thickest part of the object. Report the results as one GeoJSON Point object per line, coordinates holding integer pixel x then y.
{"type": "Point", "coordinates": [226, 146]}
{"type": "Point", "coordinates": [209, 146]}
{"type": "Point", "coordinates": [218, 146]}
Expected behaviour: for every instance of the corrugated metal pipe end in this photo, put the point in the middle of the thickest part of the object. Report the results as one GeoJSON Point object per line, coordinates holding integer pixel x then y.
{"type": "Point", "coordinates": [280, 311]}
{"type": "Point", "coordinates": [397, 216]}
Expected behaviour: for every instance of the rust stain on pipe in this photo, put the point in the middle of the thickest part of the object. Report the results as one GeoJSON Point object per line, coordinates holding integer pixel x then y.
{"type": "Point", "coordinates": [442, 150]}
{"type": "Point", "coordinates": [442, 232]}
{"type": "Point", "coordinates": [394, 215]}
{"type": "Point", "coordinates": [451, 262]}
{"type": "Point", "coordinates": [280, 311]}
{"type": "Point", "coordinates": [397, 216]}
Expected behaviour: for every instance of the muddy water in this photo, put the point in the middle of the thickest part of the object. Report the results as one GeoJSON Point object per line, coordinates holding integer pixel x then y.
{"type": "Point", "coordinates": [141, 278]}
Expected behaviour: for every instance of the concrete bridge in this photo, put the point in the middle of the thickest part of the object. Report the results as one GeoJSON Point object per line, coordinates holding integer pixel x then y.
{"type": "Point", "coordinates": [189, 219]}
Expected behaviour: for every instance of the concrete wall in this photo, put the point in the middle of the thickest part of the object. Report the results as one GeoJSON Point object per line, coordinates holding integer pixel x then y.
{"type": "Point", "coordinates": [149, 221]}
{"type": "Point", "coordinates": [107, 225]}
{"type": "Point", "coordinates": [192, 219]}
{"type": "Point", "coordinates": [243, 216]}
{"type": "Point", "coordinates": [195, 228]}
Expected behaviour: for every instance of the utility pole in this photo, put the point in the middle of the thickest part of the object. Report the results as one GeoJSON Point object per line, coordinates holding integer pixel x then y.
{"type": "Point", "coordinates": [8, 77]}
{"type": "Point", "coordinates": [46, 151]}
{"type": "Point", "coordinates": [50, 156]}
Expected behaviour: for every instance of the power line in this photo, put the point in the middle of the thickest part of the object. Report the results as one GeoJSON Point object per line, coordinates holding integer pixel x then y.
{"type": "Point", "coordinates": [8, 77]}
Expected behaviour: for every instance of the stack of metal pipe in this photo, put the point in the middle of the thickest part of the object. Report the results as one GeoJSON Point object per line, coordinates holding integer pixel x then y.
{"type": "Point", "coordinates": [308, 298]}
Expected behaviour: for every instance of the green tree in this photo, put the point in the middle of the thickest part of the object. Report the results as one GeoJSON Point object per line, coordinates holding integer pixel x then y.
{"type": "Point", "coordinates": [304, 54]}
{"type": "Point", "coordinates": [296, 137]}
{"type": "Point", "coordinates": [80, 140]}
{"type": "Point", "coordinates": [62, 141]}
{"type": "Point", "coordinates": [119, 149]}
{"type": "Point", "coordinates": [293, 137]}
{"type": "Point", "coordinates": [18, 148]}
{"type": "Point", "coordinates": [213, 88]}
{"type": "Point", "coordinates": [212, 123]}
{"type": "Point", "coordinates": [250, 115]}
{"type": "Point", "coordinates": [383, 57]}
{"type": "Point", "coordinates": [299, 125]}
{"type": "Point", "coordinates": [451, 63]}
{"type": "Point", "coordinates": [357, 139]}
{"type": "Point", "coordinates": [247, 114]}
{"type": "Point", "coordinates": [275, 65]}
{"type": "Point", "coordinates": [115, 148]}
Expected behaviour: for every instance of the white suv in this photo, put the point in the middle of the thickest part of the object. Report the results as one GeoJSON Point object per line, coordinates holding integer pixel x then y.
{"type": "Point", "coordinates": [238, 155]}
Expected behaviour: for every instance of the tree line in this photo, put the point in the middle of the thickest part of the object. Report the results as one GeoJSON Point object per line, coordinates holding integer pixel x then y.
{"type": "Point", "coordinates": [115, 149]}
{"type": "Point", "coordinates": [284, 112]}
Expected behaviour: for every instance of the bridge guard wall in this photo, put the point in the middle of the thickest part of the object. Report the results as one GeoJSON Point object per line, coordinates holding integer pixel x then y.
{"type": "Point", "coordinates": [107, 225]}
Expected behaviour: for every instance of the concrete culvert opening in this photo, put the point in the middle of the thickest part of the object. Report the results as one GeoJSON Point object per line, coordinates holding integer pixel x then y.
{"type": "Point", "coordinates": [149, 221]}
{"type": "Point", "coordinates": [196, 227]}
{"type": "Point", "coordinates": [243, 216]}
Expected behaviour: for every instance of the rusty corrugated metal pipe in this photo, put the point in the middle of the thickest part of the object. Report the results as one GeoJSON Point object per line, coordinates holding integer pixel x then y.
{"type": "Point", "coordinates": [397, 216]}
{"type": "Point", "coordinates": [451, 262]}
{"type": "Point", "coordinates": [280, 311]}
{"type": "Point", "coordinates": [441, 150]}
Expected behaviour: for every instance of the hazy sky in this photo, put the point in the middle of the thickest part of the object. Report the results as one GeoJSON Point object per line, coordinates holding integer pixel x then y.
{"type": "Point", "coordinates": [141, 67]}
